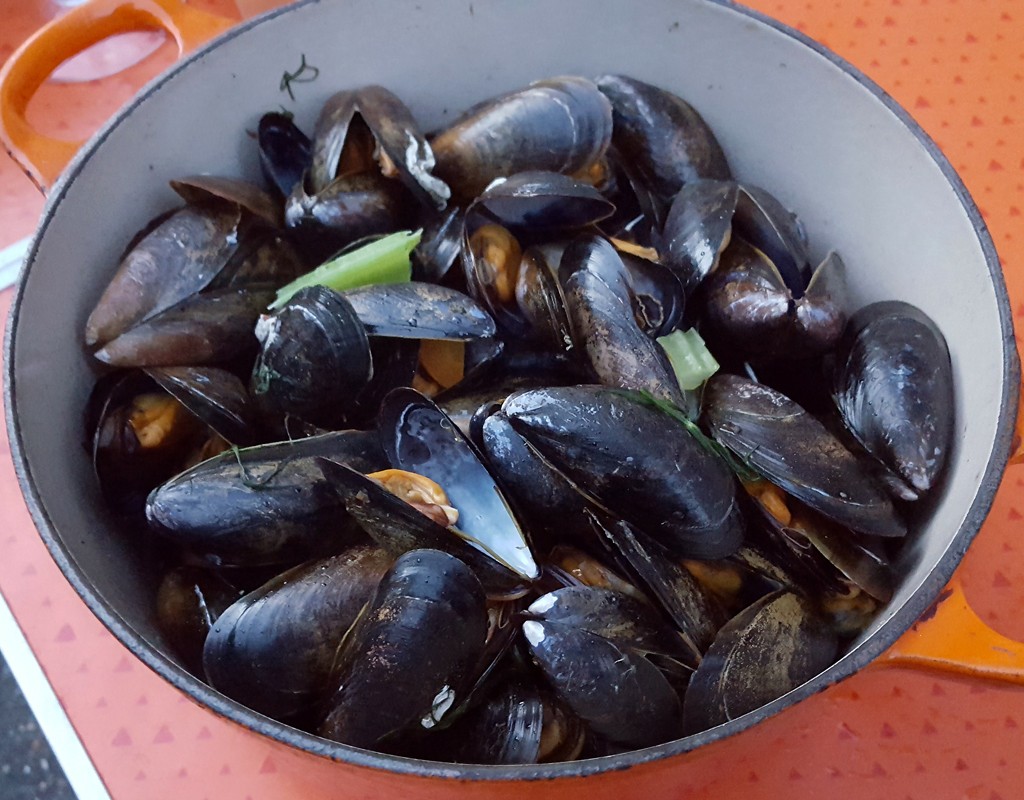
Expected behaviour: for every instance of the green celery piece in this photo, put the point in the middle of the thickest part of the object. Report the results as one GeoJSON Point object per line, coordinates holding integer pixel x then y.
{"type": "Point", "coordinates": [691, 360]}
{"type": "Point", "coordinates": [383, 261]}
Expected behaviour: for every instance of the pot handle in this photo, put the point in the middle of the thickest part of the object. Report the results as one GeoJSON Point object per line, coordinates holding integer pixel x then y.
{"type": "Point", "coordinates": [42, 157]}
{"type": "Point", "coordinates": [950, 637]}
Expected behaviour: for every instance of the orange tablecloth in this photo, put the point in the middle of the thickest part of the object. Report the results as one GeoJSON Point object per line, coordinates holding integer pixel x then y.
{"type": "Point", "coordinates": [897, 734]}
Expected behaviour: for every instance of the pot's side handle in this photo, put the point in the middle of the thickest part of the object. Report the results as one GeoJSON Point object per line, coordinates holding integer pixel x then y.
{"type": "Point", "coordinates": [42, 157]}
{"type": "Point", "coordinates": [950, 637]}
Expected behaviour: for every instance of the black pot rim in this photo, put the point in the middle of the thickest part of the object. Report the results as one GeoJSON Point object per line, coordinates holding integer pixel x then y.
{"type": "Point", "coordinates": [891, 630]}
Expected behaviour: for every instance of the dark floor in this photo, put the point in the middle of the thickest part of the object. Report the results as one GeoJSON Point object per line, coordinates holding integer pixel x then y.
{"type": "Point", "coordinates": [28, 769]}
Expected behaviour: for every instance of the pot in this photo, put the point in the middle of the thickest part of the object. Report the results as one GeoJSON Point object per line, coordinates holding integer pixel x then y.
{"type": "Point", "coordinates": [790, 115]}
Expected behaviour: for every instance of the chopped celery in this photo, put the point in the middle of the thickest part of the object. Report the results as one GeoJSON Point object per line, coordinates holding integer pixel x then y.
{"type": "Point", "coordinates": [691, 360]}
{"type": "Point", "coordinates": [383, 261]}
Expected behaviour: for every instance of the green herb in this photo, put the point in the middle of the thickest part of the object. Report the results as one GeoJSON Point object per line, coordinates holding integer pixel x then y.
{"type": "Point", "coordinates": [743, 470]}
{"type": "Point", "coordinates": [691, 360]}
{"type": "Point", "coordinates": [385, 260]}
{"type": "Point", "coordinates": [306, 73]}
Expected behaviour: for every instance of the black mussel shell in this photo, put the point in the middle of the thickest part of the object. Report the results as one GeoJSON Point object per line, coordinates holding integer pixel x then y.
{"type": "Point", "coordinates": [275, 649]}
{"type": "Point", "coordinates": [218, 190]}
{"type": "Point", "coordinates": [314, 357]}
{"type": "Point", "coordinates": [269, 504]}
{"type": "Point", "coordinates": [188, 602]}
{"type": "Point", "coordinates": [419, 437]}
{"type": "Point", "coordinates": [411, 656]}
{"type": "Point", "coordinates": [893, 386]}
{"type": "Point", "coordinates": [130, 459]}
{"type": "Point", "coordinates": [214, 395]}
{"type": "Point", "coordinates": [398, 527]}
{"type": "Point", "coordinates": [516, 724]}
{"type": "Point", "coordinates": [781, 441]}
{"type": "Point", "coordinates": [285, 152]}
{"type": "Point", "coordinates": [604, 325]}
{"type": "Point", "coordinates": [698, 229]}
{"type": "Point", "coordinates": [541, 201]}
{"type": "Point", "coordinates": [420, 311]}
{"type": "Point", "coordinates": [208, 328]}
{"type": "Point", "coordinates": [662, 136]}
{"type": "Point", "coordinates": [620, 694]}
{"type": "Point", "coordinates": [611, 615]}
{"type": "Point", "coordinates": [761, 654]}
{"type": "Point", "coordinates": [561, 124]}
{"type": "Point", "coordinates": [749, 309]}
{"type": "Point", "coordinates": [175, 260]}
{"type": "Point", "coordinates": [636, 461]}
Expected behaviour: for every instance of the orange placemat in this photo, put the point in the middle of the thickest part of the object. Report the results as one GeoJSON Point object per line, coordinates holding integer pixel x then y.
{"type": "Point", "coordinates": [897, 734]}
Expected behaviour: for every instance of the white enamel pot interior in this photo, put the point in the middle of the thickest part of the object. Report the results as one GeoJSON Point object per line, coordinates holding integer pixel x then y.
{"type": "Point", "coordinates": [791, 117]}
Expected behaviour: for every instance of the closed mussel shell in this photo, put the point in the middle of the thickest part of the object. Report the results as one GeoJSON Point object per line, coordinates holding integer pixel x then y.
{"type": "Point", "coordinates": [781, 441]}
{"type": "Point", "coordinates": [561, 125]}
{"type": "Point", "coordinates": [410, 658]}
{"type": "Point", "coordinates": [893, 386]}
{"type": "Point", "coordinates": [268, 504]}
{"type": "Point", "coordinates": [761, 654]}
{"type": "Point", "coordinates": [662, 136]}
{"type": "Point", "coordinates": [621, 695]}
{"type": "Point", "coordinates": [314, 357]}
{"type": "Point", "coordinates": [612, 615]}
{"type": "Point", "coordinates": [638, 462]}
{"type": "Point", "coordinates": [275, 649]}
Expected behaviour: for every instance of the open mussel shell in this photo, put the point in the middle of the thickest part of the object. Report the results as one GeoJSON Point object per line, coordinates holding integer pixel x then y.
{"type": "Point", "coordinates": [893, 386]}
{"type": "Point", "coordinates": [269, 504]}
{"type": "Point", "coordinates": [621, 695]}
{"type": "Point", "coordinates": [518, 723]}
{"type": "Point", "coordinates": [763, 220]}
{"type": "Point", "coordinates": [696, 615]}
{"type": "Point", "coordinates": [761, 654]}
{"type": "Point", "coordinates": [698, 229]}
{"type": "Point", "coordinates": [662, 136]}
{"type": "Point", "coordinates": [411, 656]}
{"type": "Point", "coordinates": [214, 395]}
{"type": "Point", "coordinates": [419, 311]}
{"type": "Point", "coordinates": [630, 457]}
{"type": "Point", "coordinates": [604, 326]}
{"type": "Point", "coordinates": [418, 437]}
{"type": "Point", "coordinates": [314, 357]}
{"type": "Point", "coordinates": [706, 215]}
{"type": "Point", "coordinates": [285, 152]}
{"type": "Point", "coordinates": [538, 200]}
{"type": "Point", "coordinates": [175, 260]}
{"type": "Point", "coordinates": [749, 309]}
{"type": "Point", "coordinates": [821, 556]}
{"type": "Point", "coordinates": [398, 527]}
{"type": "Point", "coordinates": [345, 211]}
{"type": "Point", "coordinates": [399, 145]}
{"type": "Point", "coordinates": [138, 436]}
{"type": "Point", "coordinates": [561, 124]}
{"type": "Point", "coordinates": [785, 444]}
{"type": "Point", "coordinates": [188, 602]}
{"type": "Point", "coordinates": [219, 190]}
{"type": "Point", "coordinates": [276, 648]}
{"type": "Point", "coordinates": [207, 328]}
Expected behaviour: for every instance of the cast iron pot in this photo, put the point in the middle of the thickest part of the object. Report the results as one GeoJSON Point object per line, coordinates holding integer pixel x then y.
{"type": "Point", "coordinates": [791, 116]}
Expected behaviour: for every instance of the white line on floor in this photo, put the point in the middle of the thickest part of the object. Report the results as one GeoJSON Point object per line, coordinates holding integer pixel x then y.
{"type": "Point", "coordinates": [53, 721]}
{"type": "Point", "coordinates": [11, 259]}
